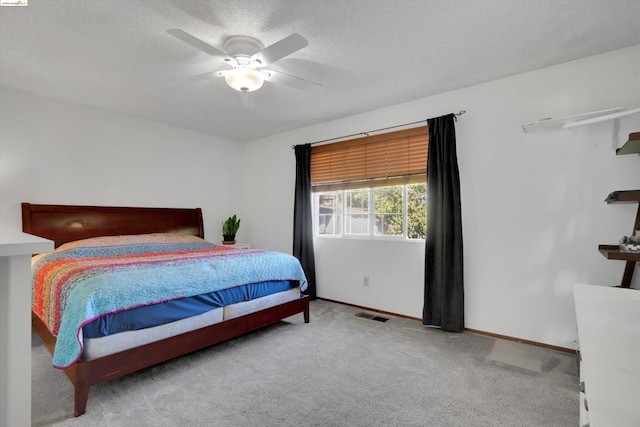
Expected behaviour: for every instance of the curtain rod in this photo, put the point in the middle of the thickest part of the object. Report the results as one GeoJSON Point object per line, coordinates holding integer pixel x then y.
{"type": "Point", "coordinates": [458, 114]}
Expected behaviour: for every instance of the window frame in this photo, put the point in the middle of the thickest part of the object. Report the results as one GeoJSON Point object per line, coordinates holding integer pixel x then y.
{"type": "Point", "coordinates": [371, 235]}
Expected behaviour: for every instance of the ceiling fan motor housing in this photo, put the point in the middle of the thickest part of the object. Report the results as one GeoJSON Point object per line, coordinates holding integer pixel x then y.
{"type": "Point", "coordinates": [242, 48]}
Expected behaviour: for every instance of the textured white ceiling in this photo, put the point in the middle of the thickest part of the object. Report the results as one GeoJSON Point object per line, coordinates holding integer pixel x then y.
{"type": "Point", "coordinates": [367, 54]}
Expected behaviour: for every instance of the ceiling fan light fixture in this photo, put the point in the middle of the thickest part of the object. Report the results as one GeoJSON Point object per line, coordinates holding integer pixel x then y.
{"type": "Point", "coordinates": [244, 79]}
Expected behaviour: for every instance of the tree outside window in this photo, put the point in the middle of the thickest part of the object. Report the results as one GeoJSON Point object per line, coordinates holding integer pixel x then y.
{"type": "Point", "coordinates": [417, 211]}
{"type": "Point", "coordinates": [389, 217]}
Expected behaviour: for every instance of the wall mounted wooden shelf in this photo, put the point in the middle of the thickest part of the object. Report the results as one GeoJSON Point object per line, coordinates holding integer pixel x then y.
{"type": "Point", "coordinates": [628, 196]}
{"type": "Point", "coordinates": [613, 251]}
{"type": "Point", "coordinates": [632, 146]}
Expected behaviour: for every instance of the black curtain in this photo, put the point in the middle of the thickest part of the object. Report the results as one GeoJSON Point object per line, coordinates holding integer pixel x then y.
{"type": "Point", "coordinates": [443, 283]}
{"type": "Point", "coordinates": [302, 218]}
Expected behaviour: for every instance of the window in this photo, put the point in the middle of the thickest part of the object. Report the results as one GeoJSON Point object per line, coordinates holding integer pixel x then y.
{"type": "Point", "coordinates": [356, 212]}
{"type": "Point", "coordinates": [395, 212]}
{"type": "Point", "coordinates": [329, 213]}
{"type": "Point", "coordinates": [417, 211]}
{"type": "Point", "coordinates": [372, 187]}
{"type": "Point", "coordinates": [388, 211]}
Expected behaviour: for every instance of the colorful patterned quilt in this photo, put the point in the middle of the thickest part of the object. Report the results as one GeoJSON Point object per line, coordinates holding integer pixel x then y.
{"type": "Point", "coordinates": [84, 280]}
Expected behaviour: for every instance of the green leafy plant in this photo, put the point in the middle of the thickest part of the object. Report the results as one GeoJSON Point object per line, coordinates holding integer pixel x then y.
{"type": "Point", "coordinates": [230, 228]}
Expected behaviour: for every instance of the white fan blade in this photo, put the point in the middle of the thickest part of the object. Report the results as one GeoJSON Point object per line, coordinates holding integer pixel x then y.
{"type": "Point", "coordinates": [197, 43]}
{"type": "Point", "coordinates": [289, 80]}
{"type": "Point", "coordinates": [199, 77]}
{"type": "Point", "coordinates": [280, 49]}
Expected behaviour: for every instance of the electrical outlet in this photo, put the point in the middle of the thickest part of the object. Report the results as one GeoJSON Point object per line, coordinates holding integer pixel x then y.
{"type": "Point", "coordinates": [365, 281]}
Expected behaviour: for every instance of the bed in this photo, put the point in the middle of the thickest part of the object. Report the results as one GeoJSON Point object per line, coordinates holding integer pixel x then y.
{"type": "Point", "coordinates": [103, 358]}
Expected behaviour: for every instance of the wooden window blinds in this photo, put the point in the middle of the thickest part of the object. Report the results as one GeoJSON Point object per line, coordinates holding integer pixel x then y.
{"type": "Point", "coordinates": [393, 158]}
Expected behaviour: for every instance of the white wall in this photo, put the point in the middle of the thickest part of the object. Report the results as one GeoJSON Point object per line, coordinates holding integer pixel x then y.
{"type": "Point", "coordinates": [533, 210]}
{"type": "Point", "coordinates": [62, 153]}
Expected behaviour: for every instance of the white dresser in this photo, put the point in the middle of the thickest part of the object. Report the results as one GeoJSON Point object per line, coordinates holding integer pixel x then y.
{"type": "Point", "coordinates": [15, 324]}
{"type": "Point", "coordinates": [609, 340]}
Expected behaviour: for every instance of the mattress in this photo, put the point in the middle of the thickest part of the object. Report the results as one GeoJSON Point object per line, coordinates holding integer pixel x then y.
{"type": "Point", "coordinates": [170, 311]}
{"type": "Point", "coordinates": [104, 346]}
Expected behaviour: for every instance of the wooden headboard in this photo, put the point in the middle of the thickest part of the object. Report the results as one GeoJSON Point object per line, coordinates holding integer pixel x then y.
{"type": "Point", "coordinates": [66, 223]}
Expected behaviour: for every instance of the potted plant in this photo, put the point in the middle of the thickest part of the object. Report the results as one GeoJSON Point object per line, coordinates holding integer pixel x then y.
{"type": "Point", "coordinates": [229, 229]}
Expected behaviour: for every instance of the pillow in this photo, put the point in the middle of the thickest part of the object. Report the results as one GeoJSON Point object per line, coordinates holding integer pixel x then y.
{"type": "Point", "coordinates": [134, 239]}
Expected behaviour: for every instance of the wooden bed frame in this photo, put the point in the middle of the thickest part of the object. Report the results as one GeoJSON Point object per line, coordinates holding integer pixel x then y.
{"type": "Point", "coordinates": [65, 223]}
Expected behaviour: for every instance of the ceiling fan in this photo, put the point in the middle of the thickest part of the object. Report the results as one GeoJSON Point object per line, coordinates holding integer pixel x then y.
{"type": "Point", "coordinates": [247, 56]}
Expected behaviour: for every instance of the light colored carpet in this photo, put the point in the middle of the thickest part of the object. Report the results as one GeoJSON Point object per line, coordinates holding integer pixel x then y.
{"type": "Point", "coordinates": [338, 370]}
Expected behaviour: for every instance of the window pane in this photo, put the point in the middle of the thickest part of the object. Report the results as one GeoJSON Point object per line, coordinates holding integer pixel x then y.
{"type": "Point", "coordinates": [356, 218]}
{"type": "Point", "coordinates": [389, 216]}
{"type": "Point", "coordinates": [416, 211]}
{"type": "Point", "coordinates": [378, 211]}
{"type": "Point", "coordinates": [329, 213]}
